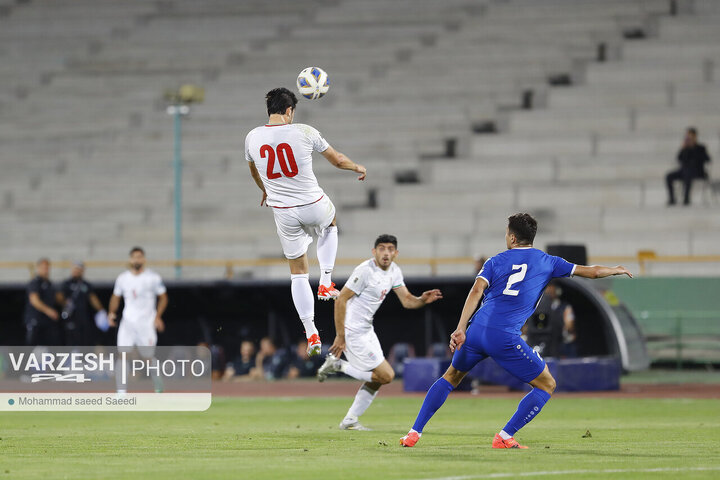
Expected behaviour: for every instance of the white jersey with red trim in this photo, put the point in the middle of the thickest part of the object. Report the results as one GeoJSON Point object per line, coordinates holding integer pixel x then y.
{"type": "Point", "coordinates": [371, 285]}
{"type": "Point", "coordinates": [140, 292]}
{"type": "Point", "coordinates": [283, 157]}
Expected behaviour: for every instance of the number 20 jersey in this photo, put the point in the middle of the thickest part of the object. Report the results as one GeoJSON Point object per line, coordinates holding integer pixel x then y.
{"type": "Point", "coordinates": [516, 280]}
{"type": "Point", "coordinates": [283, 157]}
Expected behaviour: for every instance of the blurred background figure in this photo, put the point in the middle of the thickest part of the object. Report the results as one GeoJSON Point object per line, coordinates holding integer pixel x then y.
{"type": "Point", "coordinates": [42, 325]}
{"type": "Point", "coordinates": [692, 157]}
{"type": "Point", "coordinates": [78, 298]}
{"type": "Point", "coordinates": [239, 369]}
{"type": "Point", "coordinates": [270, 363]}
{"type": "Point", "coordinates": [302, 365]}
{"type": "Point", "coordinates": [479, 262]}
{"type": "Point", "coordinates": [551, 329]}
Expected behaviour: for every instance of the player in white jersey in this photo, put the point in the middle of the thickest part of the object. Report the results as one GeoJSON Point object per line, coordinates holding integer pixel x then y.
{"type": "Point", "coordinates": [355, 309]}
{"type": "Point", "coordinates": [280, 158]}
{"type": "Point", "coordinates": [145, 298]}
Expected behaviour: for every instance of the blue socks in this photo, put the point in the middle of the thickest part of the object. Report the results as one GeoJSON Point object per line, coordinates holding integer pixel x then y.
{"type": "Point", "coordinates": [528, 409]}
{"type": "Point", "coordinates": [434, 399]}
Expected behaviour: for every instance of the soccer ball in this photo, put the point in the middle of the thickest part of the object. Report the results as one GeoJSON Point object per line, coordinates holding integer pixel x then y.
{"type": "Point", "coordinates": [313, 83]}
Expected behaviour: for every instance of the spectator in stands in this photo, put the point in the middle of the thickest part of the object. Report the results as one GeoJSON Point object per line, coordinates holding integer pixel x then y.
{"type": "Point", "coordinates": [41, 318]}
{"type": "Point", "coordinates": [552, 327]}
{"type": "Point", "coordinates": [692, 157]}
{"type": "Point", "coordinates": [242, 367]}
{"type": "Point", "coordinates": [78, 297]}
{"type": "Point", "coordinates": [270, 363]}
{"type": "Point", "coordinates": [303, 365]}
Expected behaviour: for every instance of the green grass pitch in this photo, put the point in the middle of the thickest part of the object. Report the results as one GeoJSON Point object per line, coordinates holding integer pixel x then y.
{"type": "Point", "coordinates": [298, 438]}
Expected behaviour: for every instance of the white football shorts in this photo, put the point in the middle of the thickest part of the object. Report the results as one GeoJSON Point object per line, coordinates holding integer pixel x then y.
{"type": "Point", "coordinates": [296, 225]}
{"type": "Point", "coordinates": [363, 350]}
{"type": "Point", "coordinates": [143, 336]}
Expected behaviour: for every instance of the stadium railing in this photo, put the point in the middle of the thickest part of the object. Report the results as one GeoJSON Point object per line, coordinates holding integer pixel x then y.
{"type": "Point", "coordinates": [643, 259]}
{"type": "Point", "coordinates": [682, 337]}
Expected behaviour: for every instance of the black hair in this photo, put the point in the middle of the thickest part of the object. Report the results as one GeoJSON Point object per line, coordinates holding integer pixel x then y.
{"type": "Point", "coordinates": [692, 130]}
{"type": "Point", "coordinates": [137, 249]}
{"type": "Point", "coordinates": [385, 238]}
{"type": "Point", "coordinates": [524, 227]}
{"type": "Point", "coordinates": [279, 99]}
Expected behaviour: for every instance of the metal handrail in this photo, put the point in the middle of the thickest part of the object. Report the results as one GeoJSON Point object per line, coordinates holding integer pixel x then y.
{"type": "Point", "coordinates": [642, 258]}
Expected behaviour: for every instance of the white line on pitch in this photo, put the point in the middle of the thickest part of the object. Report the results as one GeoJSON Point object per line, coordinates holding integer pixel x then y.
{"type": "Point", "coordinates": [577, 472]}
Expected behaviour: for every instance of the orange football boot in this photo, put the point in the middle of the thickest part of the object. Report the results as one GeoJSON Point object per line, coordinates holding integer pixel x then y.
{"type": "Point", "coordinates": [498, 442]}
{"type": "Point", "coordinates": [328, 293]}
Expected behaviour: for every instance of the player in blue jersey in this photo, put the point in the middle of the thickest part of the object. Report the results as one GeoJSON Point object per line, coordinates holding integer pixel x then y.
{"type": "Point", "coordinates": [512, 282]}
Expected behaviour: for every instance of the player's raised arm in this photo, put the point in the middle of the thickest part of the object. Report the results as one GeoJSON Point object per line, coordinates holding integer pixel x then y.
{"type": "Point", "coordinates": [471, 302]}
{"type": "Point", "coordinates": [341, 161]}
{"type": "Point", "coordinates": [410, 301]}
{"type": "Point", "coordinates": [258, 181]}
{"type": "Point", "coordinates": [600, 271]}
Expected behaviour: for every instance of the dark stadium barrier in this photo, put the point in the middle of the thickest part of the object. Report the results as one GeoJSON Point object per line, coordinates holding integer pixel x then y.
{"type": "Point", "coordinates": [224, 313]}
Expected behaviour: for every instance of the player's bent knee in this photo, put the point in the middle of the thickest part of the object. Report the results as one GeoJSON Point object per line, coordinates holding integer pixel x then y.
{"type": "Point", "coordinates": [545, 382]}
{"type": "Point", "coordinates": [454, 376]}
{"type": "Point", "coordinates": [384, 375]}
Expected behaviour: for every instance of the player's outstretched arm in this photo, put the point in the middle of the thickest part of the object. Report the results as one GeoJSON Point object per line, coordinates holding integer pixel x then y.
{"type": "Point", "coordinates": [338, 345]}
{"type": "Point", "coordinates": [457, 338]}
{"type": "Point", "coordinates": [410, 301]}
{"type": "Point", "coordinates": [341, 161]}
{"type": "Point", "coordinates": [600, 271]}
{"type": "Point", "coordinates": [258, 181]}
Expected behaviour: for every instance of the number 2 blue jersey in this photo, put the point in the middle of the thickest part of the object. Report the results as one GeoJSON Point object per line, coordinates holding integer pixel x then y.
{"type": "Point", "coordinates": [516, 280]}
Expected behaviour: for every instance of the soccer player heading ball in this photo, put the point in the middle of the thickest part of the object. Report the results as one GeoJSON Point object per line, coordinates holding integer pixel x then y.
{"type": "Point", "coordinates": [512, 282]}
{"type": "Point", "coordinates": [279, 154]}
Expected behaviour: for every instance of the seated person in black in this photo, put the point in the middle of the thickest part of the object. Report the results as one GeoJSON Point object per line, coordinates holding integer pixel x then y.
{"type": "Point", "coordinates": [692, 157]}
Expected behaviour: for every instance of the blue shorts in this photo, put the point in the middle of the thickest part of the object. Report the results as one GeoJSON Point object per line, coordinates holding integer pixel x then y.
{"type": "Point", "coordinates": [509, 350]}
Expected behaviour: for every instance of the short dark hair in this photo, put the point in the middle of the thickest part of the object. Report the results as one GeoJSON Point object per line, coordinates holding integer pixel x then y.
{"type": "Point", "coordinates": [385, 238]}
{"type": "Point", "coordinates": [137, 249]}
{"type": "Point", "coordinates": [279, 99]}
{"type": "Point", "coordinates": [692, 130]}
{"type": "Point", "coordinates": [523, 226]}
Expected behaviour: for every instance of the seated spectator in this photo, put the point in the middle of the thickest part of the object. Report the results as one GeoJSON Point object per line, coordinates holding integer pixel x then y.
{"type": "Point", "coordinates": [439, 350]}
{"type": "Point", "coordinates": [692, 157]}
{"type": "Point", "coordinates": [270, 363]}
{"type": "Point", "coordinates": [397, 355]}
{"type": "Point", "coordinates": [241, 368]}
{"type": "Point", "coordinates": [302, 365]}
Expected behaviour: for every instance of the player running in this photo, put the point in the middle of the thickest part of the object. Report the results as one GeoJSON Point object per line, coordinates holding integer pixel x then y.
{"type": "Point", "coordinates": [280, 158]}
{"type": "Point", "coordinates": [146, 299]}
{"type": "Point", "coordinates": [354, 310]}
{"type": "Point", "coordinates": [512, 282]}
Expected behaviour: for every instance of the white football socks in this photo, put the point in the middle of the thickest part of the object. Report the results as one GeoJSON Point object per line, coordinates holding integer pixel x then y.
{"type": "Point", "coordinates": [304, 301]}
{"type": "Point", "coordinates": [504, 435]}
{"type": "Point", "coordinates": [356, 373]}
{"type": "Point", "coordinates": [363, 399]}
{"type": "Point", "coordinates": [327, 245]}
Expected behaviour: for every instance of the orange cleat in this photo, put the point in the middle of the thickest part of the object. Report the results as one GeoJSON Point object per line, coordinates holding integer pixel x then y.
{"type": "Point", "coordinates": [314, 345]}
{"type": "Point", "coordinates": [328, 293]}
{"type": "Point", "coordinates": [410, 439]}
{"type": "Point", "coordinates": [498, 442]}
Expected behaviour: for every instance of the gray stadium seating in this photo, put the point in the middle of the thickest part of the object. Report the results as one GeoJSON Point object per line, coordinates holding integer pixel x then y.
{"type": "Point", "coordinates": [87, 146]}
